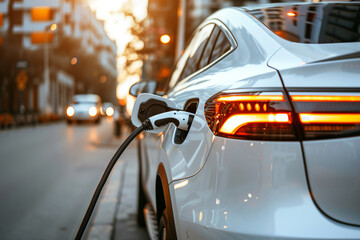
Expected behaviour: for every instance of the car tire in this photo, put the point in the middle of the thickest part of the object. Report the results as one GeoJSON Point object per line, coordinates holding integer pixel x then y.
{"type": "Point", "coordinates": [140, 206]}
{"type": "Point", "coordinates": [164, 227]}
{"type": "Point", "coordinates": [140, 218]}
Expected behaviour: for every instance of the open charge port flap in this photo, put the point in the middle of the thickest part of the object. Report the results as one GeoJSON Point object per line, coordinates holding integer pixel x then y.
{"type": "Point", "coordinates": [191, 106]}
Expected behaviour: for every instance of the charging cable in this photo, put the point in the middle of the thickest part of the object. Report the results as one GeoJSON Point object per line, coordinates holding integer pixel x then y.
{"type": "Point", "coordinates": [180, 118]}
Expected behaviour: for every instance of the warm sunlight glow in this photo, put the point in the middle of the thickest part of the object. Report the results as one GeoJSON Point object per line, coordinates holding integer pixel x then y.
{"type": "Point", "coordinates": [115, 24]}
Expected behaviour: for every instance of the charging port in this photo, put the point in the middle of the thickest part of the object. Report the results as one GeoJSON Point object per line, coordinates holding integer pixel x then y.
{"type": "Point", "coordinates": [190, 106]}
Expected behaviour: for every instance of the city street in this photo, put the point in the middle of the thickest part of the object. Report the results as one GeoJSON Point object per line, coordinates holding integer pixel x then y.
{"type": "Point", "coordinates": [48, 175]}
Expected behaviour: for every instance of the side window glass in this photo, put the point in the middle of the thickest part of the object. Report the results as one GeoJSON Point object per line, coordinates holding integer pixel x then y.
{"type": "Point", "coordinates": [200, 41]}
{"type": "Point", "coordinates": [209, 47]}
{"type": "Point", "coordinates": [178, 69]}
{"type": "Point", "coordinates": [222, 46]}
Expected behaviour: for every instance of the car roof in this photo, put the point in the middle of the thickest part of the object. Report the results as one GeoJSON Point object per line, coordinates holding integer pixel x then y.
{"type": "Point", "coordinates": [254, 6]}
{"type": "Point", "coordinates": [86, 98]}
{"type": "Point", "coordinates": [303, 52]}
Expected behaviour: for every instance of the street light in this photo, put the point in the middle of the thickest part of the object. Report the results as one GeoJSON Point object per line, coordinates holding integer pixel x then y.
{"type": "Point", "coordinates": [165, 39]}
{"type": "Point", "coordinates": [52, 28]}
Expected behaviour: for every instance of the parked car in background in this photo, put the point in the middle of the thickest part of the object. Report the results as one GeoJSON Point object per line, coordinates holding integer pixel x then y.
{"type": "Point", "coordinates": [273, 149]}
{"type": "Point", "coordinates": [84, 107]}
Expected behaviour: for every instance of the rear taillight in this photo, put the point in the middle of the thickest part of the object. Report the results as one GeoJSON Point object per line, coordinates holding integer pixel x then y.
{"type": "Point", "coordinates": [327, 115]}
{"type": "Point", "coordinates": [265, 115]}
{"type": "Point", "coordinates": [250, 115]}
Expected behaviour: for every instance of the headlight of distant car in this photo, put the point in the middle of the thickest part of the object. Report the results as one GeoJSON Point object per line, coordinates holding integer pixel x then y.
{"type": "Point", "coordinates": [93, 111]}
{"type": "Point", "coordinates": [109, 111]}
{"type": "Point", "coordinates": [70, 111]}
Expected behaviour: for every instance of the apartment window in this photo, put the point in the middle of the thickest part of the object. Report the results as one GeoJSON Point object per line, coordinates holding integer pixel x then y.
{"type": "Point", "coordinates": [40, 14]}
{"type": "Point", "coordinates": [1, 19]}
{"type": "Point", "coordinates": [41, 37]}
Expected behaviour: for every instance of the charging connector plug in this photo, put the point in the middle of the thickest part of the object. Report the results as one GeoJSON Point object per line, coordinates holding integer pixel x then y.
{"type": "Point", "coordinates": [181, 120]}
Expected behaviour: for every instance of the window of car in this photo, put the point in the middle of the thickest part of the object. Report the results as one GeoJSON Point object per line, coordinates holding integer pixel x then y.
{"type": "Point", "coordinates": [198, 44]}
{"type": "Point", "coordinates": [222, 45]}
{"type": "Point", "coordinates": [209, 48]}
{"type": "Point", "coordinates": [315, 23]}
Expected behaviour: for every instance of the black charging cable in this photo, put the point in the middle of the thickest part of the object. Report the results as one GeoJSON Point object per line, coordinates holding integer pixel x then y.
{"type": "Point", "coordinates": [181, 121]}
{"type": "Point", "coordinates": [105, 176]}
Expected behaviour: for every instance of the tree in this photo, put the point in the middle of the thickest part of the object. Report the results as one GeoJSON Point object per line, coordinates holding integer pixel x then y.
{"type": "Point", "coordinates": [132, 52]}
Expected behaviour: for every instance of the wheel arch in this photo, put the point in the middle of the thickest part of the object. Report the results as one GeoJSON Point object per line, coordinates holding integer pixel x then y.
{"type": "Point", "coordinates": [163, 199]}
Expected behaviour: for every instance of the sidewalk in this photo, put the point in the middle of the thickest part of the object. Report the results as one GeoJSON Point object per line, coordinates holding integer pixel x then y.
{"type": "Point", "coordinates": [115, 215]}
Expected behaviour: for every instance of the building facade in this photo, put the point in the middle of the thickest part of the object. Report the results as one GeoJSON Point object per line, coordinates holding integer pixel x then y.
{"type": "Point", "coordinates": [52, 42]}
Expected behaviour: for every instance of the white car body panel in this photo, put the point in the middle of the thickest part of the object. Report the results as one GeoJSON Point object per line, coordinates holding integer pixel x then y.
{"type": "Point", "coordinates": [244, 186]}
{"type": "Point", "coordinates": [232, 189]}
{"type": "Point", "coordinates": [179, 160]}
{"type": "Point", "coordinates": [333, 170]}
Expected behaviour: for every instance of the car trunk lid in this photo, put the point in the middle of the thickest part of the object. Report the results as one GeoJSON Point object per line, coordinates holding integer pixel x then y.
{"type": "Point", "coordinates": [329, 85]}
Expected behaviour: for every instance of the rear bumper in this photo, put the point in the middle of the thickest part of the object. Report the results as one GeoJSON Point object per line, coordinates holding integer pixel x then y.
{"type": "Point", "coordinates": [252, 190]}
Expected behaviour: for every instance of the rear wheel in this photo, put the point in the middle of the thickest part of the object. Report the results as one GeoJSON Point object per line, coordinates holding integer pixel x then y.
{"type": "Point", "coordinates": [164, 227]}
{"type": "Point", "coordinates": [141, 205]}
{"type": "Point", "coordinates": [141, 194]}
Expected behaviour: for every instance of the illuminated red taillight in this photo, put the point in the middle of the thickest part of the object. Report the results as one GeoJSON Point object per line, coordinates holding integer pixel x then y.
{"type": "Point", "coordinates": [265, 115]}
{"type": "Point", "coordinates": [327, 115]}
{"type": "Point", "coordinates": [250, 115]}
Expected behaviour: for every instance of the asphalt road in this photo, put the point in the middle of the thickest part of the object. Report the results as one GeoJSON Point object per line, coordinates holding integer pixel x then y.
{"type": "Point", "coordinates": [47, 177]}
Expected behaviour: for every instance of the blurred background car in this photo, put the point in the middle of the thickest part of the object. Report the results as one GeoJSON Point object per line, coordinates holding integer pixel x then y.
{"type": "Point", "coordinates": [84, 107]}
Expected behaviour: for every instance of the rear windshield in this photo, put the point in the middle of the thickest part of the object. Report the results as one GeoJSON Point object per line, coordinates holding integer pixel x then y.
{"type": "Point", "coordinates": [85, 99]}
{"type": "Point", "coordinates": [313, 23]}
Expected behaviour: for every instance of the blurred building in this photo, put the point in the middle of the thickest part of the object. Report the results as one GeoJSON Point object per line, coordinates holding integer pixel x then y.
{"type": "Point", "coordinates": [51, 42]}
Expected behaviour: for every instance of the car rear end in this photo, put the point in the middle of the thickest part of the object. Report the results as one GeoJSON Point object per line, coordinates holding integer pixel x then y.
{"type": "Point", "coordinates": [285, 162]}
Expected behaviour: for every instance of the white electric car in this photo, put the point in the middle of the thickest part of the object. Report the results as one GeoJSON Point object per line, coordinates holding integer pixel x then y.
{"type": "Point", "coordinates": [273, 150]}
{"type": "Point", "coordinates": [84, 107]}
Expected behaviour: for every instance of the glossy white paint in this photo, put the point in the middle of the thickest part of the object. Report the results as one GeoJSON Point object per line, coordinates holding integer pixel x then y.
{"type": "Point", "coordinates": [252, 190]}
{"type": "Point", "coordinates": [333, 170]}
{"type": "Point", "coordinates": [236, 189]}
{"type": "Point", "coordinates": [339, 74]}
{"type": "Point", "coordinates": [186, 159]}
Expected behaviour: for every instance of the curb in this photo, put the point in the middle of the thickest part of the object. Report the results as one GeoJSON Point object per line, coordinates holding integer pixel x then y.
{"type": "Point", "coordinates": [102, 226]}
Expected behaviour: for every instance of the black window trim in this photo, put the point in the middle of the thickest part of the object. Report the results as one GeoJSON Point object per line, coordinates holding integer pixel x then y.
{"type": "Point", "coordinates": [218, 23]}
